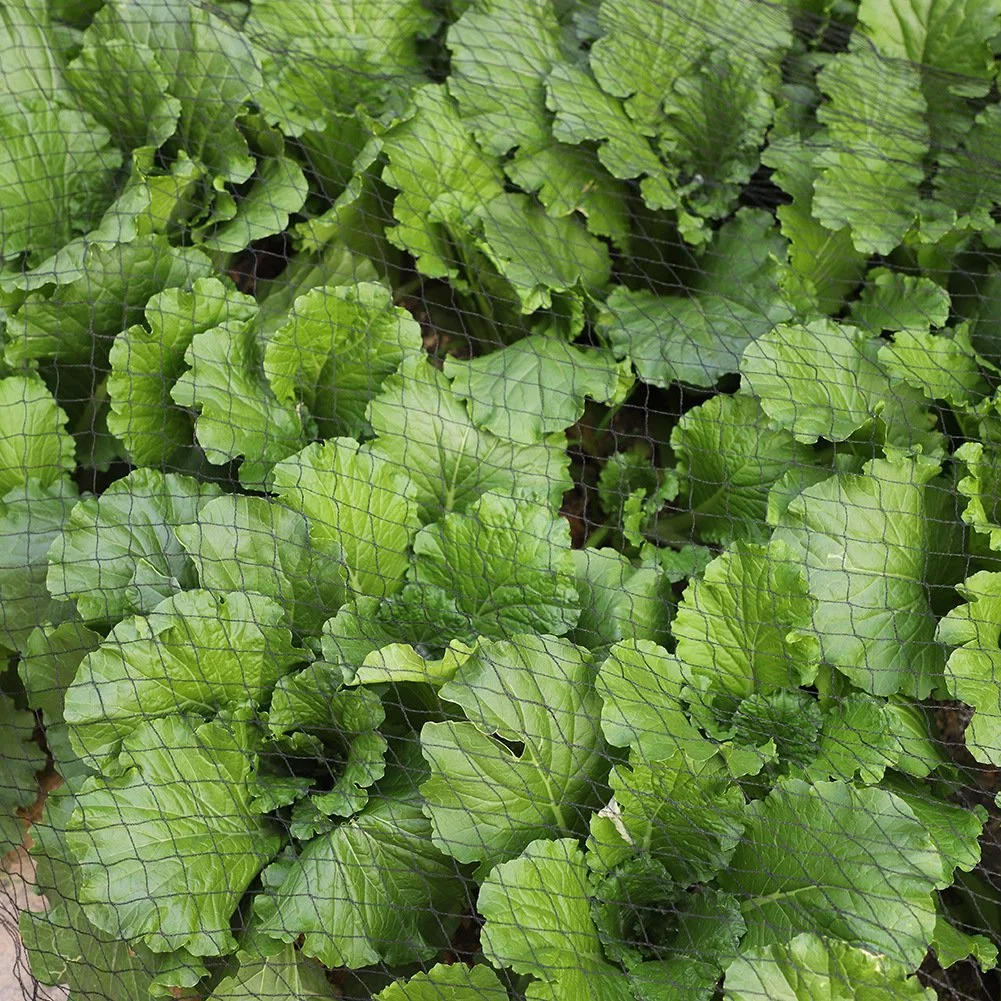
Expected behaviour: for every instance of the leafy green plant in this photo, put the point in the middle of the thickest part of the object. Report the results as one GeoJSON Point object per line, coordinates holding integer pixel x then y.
{"type": "Point", "coordinates": [323, 323]}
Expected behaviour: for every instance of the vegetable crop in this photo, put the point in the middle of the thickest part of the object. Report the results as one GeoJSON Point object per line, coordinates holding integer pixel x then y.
{"type": "Point", "coordinates": [497, 495]}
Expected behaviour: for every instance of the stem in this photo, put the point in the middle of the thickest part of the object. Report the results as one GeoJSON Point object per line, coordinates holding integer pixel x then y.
{"type": "Point", "coordinates": [674, 528]}
{"type": "Point", "coordinates": [97, 400]}
{"type": "Point", "coordinates": [598, 536]}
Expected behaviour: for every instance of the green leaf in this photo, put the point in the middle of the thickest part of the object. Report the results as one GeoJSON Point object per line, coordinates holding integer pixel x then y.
{"type": "Point", "coordinates": [809, 967]}
{"type": "Point", "coordinates": [505, 564]}
{"type": "Point", "coordinates": [688, 813]}
{"type": "Point", "coordinates": [120, 83]}
{"type": "Point", "coordinates": [851, 864]}
{"type": "Point", "coordinates": [981, 488]}
{"type": "Point", "coordinates": [875, 121]}
{"type": "Point", "coordinates": [238, 414]}
{"type": "Point", "coordinates": [424, 429]}
{"type": "Point", "coordinates": [278, 189]}
{"type": "Point", "coordinates": [823, 379]}
{"type": "Point", "coordinates": [486, 802]}
{"type": "Point", "coordinates": [195, 652]}
{"type": "Point", "coordinates": [400, 662]}
{"type": "Point", "coordinates": [952, 45]}
{"type": "Point", "coordinates": [642, 688]}
{"type": "Point", "coordinates": [329, 56]}
{"type": "Point", "coordinates": [118, 553]}
{"type": "Point", "coordinates": [728, 461]}
{"type": "Point", "coordinates": [617, 600]}
{"type": "Point", "coordinates": [695, 338]}
{"type": "Point", "coordinates": [20, 759]}
{"type": "Point", "coordinates": [856, 739]}
{"type": "Point", "coordinates": [336, 350]}
{"type": "Point", "coordinates": [49, 664]}
{"type": "Point", "coordinates": [183, 794]}
{"type": "Point", "coordinates": [456, 982]}
{"type": "Point", "coordinates": [346, 721]}
{"type": "Point", "coordinates": [285, 974]}
{"type": "Point", "coordinates": [745, 626]}
{"type": "Point", "coordinates": [75, 321]}
{"type": "Point", "coordinates": [30, 60]}
{"type": "Point", "coordinates": [532, 388]}
{"type": "Point", "coordinates": [31, 519]}
{"type": "Point", "coordinates": [866, 544]}
{"type": "Point", "coordinates": [894, 301]}
{"type": "Point", "coordinates": [404, 919]}
{"type": "Point", "coordinates": [56, 171]}
{"type": "Point", "coordinates": [950, 945]}
{"type": "Point", "coordinates": [972, 669]}
{"type": "Point", "coordinates": [147, 359]}
{"type": "Point", "coordinates": [961, 181]}
{"type": "Point", "coordinates": [34, 443]}
{"type": "Point", "coordinates": [941, 367]}
{"type": "Point", "coordinates": [360, 508]}
{"type": "Point", "coordinates": [432, 154]}
{"type": "Point", "coordinates": [252, 544]}
{"type": "Point", "coordinates": [538, 922]}
{"type": "Point", "coordinates": [537, 254]}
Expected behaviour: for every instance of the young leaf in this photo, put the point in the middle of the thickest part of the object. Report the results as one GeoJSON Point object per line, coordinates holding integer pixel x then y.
{"type": "Point", "coordinates": [538, 922]}
{"type": "Point", "coordinates": [32, 517]}
{"type": "Point", "coordinates": [34, 442]}
{"type": "Point", "coordinates": [252, 544]}
{"type": "Point", "coordinates": [745, 626]}
{"type": "Point", "coordinates": [20, 759]}
{"type": "Point", "coordinates": [402, 920]}
{"type": "Point", "coordinates": [456, 982]}
{"type": "Point", "coordinates": [238, 414]}
{"type": "Point", "coordinates": [486, 802]}
{"type": "Point", "coordinates": [335, 351]}
{"type": "Point", "coordinates": [972, 670]}
{"type": "Point", "coordinates": [424, 429]}
{"type": "Point", "coordinates": [728, 461]}
{"type": "Point", "coordinates": [283, 973]}
{"type": "Point", "coordinates": [147, 359]}
{"type": "Point", "coordinates": [809, 966]}
{"type": "Point", "coordinates": [863, 542]}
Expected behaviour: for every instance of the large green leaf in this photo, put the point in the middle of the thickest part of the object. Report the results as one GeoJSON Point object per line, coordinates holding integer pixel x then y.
{"type": "Point", "coordinates": [487, 802]}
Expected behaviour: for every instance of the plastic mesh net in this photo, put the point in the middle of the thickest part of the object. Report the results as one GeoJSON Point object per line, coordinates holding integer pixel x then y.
{"type": "Point", "coordinates": [500, 500]}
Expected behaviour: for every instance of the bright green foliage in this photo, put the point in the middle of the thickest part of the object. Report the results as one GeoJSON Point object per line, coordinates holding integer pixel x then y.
{"type": "Point", "coordinates": [505, 565]}
{"type": "Point", "coordinates": [194, 652]}
{"type": "Point", "coordinates": [809, 966]}
{"type": "Point", "coordinates": [501, 498]}
{"type": "Point", "coordinates": [146, 360]}
{"type": "Point", "coordinates": [396, 921]}
{"type": "Point", "coordinates": [119, 554]}
{"type": "Point", "coordinates": [181, 785]}
{"type": "Point", "coordinates": [485, 801]}
{"type": "Point", "coordinates": [744, 627]}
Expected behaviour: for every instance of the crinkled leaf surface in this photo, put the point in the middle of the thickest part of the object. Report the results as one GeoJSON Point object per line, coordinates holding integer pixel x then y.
{"type": "Point", "coordinates": [334, 352]}
{"type": "Point", "coordinates": [252, 544]}
{"type": "Point", "coordinates": [867, 544]}
{"type": "Point", "coordinates": [505, 564]}
{"type": "Point", "coordinates": [20, 759]}
{"type": "Point", "coordinates": [745, 625]}
{"type": "Point", "coordinates": [373, 889]}
{"type": "Point", "coordinates": [168, 847]}
{"type": "Point", "coordinates": [534, 387]}
{"type": "Point", "coordinates": [423, 427]}
{"type": "Point", "coordinates": [147, 358]}
{"type": "Point", "coordinates": [809, 967]}
{"type": "Point", "coordinates": [851, 864]}
{"type": "Point", "coordinates": [34, 443]}
{"type": "Point", "coordinates": [119, 553]}
{"type": "Point", "coordinates": [195, 652]}
{"type": "Point", "coordinates": [360, 508]}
